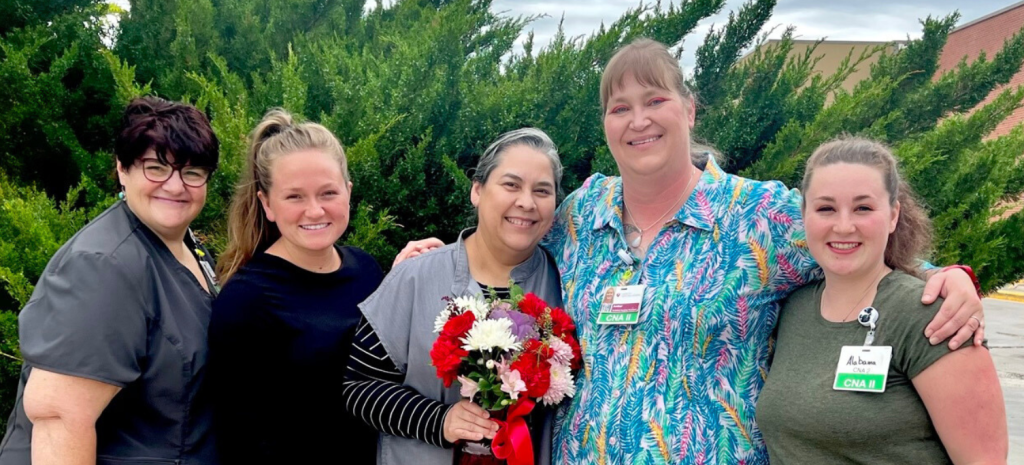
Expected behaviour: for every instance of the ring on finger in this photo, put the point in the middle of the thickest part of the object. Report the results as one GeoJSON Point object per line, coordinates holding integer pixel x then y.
{"type": "Point", "coordinates": [980, 323]}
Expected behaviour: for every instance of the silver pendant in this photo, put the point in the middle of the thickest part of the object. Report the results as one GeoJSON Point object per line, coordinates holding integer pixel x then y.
{"type": "Point", "coordinates": [635, 243]}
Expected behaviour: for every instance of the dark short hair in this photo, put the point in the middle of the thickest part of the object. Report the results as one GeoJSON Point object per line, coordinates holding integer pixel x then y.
{"type": "Point", "coordinates": [168, 128]}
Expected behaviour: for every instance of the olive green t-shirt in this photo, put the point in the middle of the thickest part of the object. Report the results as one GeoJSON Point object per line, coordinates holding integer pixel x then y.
{"type": "Point", "coordinates": [803, 420]}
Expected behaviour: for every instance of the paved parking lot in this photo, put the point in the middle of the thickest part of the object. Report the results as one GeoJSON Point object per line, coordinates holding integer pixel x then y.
{"type": "Point", "coordinates": [1005, 333]}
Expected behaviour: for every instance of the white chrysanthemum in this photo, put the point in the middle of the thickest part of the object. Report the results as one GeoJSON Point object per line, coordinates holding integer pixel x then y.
{"type": "Point", "coordinates": [441, 319]}
{"type": "Point", "coordinates": [477, 306]}
{"type": "Point", "coordinates": [562, 351]}
{"type": "Point", "coordinates": [490, 334]}
{"type": "Point", "coordinates": [562, 385]}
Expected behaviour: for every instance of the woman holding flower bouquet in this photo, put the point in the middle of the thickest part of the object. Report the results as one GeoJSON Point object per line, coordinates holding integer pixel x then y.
{"type": "Point", "coordinates": [673, 272]}
{"type": "Point", "coordinates": [452, 315]}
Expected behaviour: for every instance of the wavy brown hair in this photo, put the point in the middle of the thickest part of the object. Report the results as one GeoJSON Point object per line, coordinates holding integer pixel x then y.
{"type": "Point", "coordinates": [912, 238]}
{"type": "Point", "coordinates": [276, 135]}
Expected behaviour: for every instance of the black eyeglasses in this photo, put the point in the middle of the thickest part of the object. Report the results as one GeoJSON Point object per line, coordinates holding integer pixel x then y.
{"type": "Point", "coordinates": [191, 176]}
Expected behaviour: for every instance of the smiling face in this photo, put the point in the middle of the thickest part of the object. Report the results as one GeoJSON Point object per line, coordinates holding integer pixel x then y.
{"type": "Point", "coordinates": [848, 219]}
{"type": "Point", "coordinates": [167, 208]}
{"type": "Point", "coordinates": [516, 203]}
{"type": "Point", "coordinates": [648, 128]}
{"type": "Point", "coordinates": [308, 200]}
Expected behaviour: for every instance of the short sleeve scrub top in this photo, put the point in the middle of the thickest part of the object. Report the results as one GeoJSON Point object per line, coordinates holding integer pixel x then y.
{"type": "Point", "coordinates": [115, 306]}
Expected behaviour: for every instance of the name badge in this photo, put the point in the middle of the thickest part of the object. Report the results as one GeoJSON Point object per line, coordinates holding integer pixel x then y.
{"type": "Point", "coordinates": [621, 305]}
{"type": "Point", "coordinates": [863, 368]}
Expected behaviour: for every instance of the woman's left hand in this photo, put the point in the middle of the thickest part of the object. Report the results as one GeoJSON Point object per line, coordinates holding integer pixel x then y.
{"type": "Point", "coordinates": [961, 313]}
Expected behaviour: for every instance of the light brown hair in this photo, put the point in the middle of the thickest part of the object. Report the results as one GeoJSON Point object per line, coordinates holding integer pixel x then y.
{"type": "Point", "coordinates": [912, 237]}
{"type": "Point", "coordinates": [276, 135]}
{"type": "Point", "coordinates": [650, 63]}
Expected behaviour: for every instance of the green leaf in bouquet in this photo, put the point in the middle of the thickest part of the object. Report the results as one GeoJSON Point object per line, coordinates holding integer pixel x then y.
{"type": "Point", "coordinates": [515, 293]}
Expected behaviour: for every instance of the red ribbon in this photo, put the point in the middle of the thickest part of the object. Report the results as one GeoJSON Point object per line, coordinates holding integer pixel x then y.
{"type": "Point", "coordinates": [512, 441]}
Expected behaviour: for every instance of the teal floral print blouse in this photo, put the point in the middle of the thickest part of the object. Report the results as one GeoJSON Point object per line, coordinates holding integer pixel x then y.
{"type": "Point", "coordinates": [678, 387]}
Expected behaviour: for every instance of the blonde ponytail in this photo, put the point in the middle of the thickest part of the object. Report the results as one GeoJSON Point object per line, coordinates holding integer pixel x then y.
{"type": "Point", "coordinates": [249, 230]}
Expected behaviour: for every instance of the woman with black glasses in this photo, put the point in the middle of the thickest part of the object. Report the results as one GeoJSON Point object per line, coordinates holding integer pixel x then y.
{"type": "Point", "coordinates": [114, 336]}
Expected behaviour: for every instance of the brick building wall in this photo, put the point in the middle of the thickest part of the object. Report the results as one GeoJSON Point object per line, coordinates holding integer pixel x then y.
{"type": "Point", "coordinates": [987, 34]}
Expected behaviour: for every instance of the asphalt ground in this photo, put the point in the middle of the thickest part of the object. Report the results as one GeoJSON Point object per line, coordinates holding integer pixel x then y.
{"type": "Point", "coordinates": [1005, 333]}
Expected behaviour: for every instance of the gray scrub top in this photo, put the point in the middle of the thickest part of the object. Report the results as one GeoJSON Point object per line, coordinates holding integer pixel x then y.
{"type": "Point", "coordinates": [402, 313]}
{"type": "Point", "coordinates": [114, 305]}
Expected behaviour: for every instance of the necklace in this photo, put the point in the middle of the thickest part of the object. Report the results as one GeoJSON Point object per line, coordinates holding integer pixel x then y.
{"type": "Point", "coordinates": [863, 293]}
{"type": "Point", "coordinates": [635, 243]}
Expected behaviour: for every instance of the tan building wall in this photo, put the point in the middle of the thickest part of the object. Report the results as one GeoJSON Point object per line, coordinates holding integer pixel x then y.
{"type": "Point", "coordinates": [833, 52]}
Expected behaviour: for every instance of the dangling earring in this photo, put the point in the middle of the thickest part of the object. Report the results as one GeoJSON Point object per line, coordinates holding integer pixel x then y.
{"type": "Point", "coordinates": [120, 195]}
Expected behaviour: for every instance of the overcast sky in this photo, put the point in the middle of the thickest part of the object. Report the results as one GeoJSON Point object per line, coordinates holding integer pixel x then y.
{"type": "Point", "coordinates": [877, 20]}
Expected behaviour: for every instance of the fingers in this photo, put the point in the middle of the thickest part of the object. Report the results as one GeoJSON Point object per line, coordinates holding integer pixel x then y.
{"type": "Point", "coordinates": [466, 420]}
{"type": "Point", "coordinates": [979, 335]}
{"type": "Point", "coordinates": [956, 314]}
{"type": "Point", "coordinates": [933, 288]}
{"type": "Point", "coordinates": [416, 248]}
{"type": "Point", "coordinates": [474, 409]}
{"type": "Point", "coordinates": [961, 302]}
{"type": "Point", "coordinates": [964, 334]}
{"type": "Point", "coordinates": [943, 325]}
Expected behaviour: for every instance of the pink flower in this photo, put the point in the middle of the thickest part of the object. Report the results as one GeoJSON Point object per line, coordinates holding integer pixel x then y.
{"type": "Point", "coordinates": [468, 388]}
{"type": "Point", "coordinates": [562, 352]}
{"type": "Point", "coordinates": [562, 385]}
{"type": "Point", "coordinates": [512, 384]}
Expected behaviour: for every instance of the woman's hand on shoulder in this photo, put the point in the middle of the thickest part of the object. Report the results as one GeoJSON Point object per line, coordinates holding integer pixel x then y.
{"type": "Point", "coordinates": [468, 421]}
{"type": "Point", "coordinates": [416, 248]}
{"type": "Point", "coordinates": [961, 313]}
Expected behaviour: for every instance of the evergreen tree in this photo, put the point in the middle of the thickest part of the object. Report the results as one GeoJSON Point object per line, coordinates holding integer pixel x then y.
{"type": "Point", "coordinates": [416, 89]}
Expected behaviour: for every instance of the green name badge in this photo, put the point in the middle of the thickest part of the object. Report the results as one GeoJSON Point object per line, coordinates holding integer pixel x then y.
{"type": "Point", "coordinates": [624, 318]}
{"type": "Point", "coordinates": [863, 368]}
{"type": "Point", "coordinates": [621, 305]}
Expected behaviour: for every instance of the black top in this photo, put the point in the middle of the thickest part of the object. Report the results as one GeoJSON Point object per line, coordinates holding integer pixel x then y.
{"type": "Point", "coordinates": [114, 305]}
{"type": "Point", "coordinates": [375, 394]}
{"type": "Point", "coordinates": [279, 342]}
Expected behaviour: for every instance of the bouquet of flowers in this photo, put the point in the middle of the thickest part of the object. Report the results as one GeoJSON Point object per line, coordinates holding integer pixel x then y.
{"type": "Point", "coordinates": [507, 354]}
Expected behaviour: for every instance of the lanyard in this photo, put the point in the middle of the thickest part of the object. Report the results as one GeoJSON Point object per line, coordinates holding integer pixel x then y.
{"type": "Point", "coordinates": [204, 264]}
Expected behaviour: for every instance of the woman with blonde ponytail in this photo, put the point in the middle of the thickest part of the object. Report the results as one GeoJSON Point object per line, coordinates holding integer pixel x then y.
{"type": "Point", "coordinates": [281, 329]}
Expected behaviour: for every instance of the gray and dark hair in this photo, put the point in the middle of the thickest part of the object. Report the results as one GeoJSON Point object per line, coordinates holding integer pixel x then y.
{"type": "Point", "coordinates": [529, 137]}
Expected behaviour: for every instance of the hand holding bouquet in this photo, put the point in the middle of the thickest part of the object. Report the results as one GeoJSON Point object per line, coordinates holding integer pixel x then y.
{"type": "Point", "coordinates": [507, 354]}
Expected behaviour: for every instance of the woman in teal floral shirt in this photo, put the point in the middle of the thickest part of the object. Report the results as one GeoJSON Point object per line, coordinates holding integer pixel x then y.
{"type": "Point", "coordinates": [714, 252]}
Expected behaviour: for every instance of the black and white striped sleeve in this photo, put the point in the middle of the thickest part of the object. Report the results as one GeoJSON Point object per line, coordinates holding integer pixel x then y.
{"type": "Point", "coordinates": [374, 393]}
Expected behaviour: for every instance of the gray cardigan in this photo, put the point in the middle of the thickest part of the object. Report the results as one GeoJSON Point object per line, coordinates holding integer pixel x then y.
{"type": "Point", "coordinates": [402, 313]}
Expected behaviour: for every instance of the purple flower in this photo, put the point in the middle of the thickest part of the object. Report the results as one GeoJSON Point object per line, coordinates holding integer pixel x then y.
{"type": "Point", "coordinates": [524, 327]}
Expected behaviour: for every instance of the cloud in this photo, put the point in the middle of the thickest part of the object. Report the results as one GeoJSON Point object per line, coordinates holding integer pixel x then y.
{"type": "Point", "coordinates": [868, 20]}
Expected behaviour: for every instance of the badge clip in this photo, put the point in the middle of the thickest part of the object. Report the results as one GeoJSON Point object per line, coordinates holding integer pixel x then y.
{"type": "Point", "coordinates": [867, 318]}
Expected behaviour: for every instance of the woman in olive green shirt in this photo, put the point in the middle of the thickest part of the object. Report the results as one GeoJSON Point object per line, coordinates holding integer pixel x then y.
{"type": "Point", "coordinates": [839, 395]}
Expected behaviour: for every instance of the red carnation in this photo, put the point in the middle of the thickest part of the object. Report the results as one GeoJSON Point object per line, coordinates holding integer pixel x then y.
{"type": "Point", "coordinates": [536, 373]}
{"type": "Point", "coordinates": [446, 356]}
{"type": "Point", "coordinates": [532, 305]}
{"type": "Point", "coordinates": [542, 350]}
{"type": "Point", "coordinates": [577, 354]}
{"type": "Point", "coordinates": [458, 326]}
{"type": "Point", "coordinates": [561, 323]}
